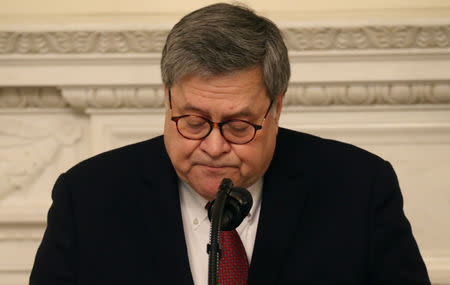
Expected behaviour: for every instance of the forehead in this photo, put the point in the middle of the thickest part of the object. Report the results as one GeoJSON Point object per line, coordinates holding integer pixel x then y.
{"type": "Point", "coordinates": [232, 92]}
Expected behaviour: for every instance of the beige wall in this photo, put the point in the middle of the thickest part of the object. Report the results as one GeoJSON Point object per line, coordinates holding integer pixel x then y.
{"type": "Point", "coordinates": [31, 11]}
{"type": "Point", "coordinates": [170, 6]}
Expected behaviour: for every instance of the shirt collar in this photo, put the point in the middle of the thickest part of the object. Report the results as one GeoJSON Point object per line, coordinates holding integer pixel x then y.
{"type": "Point", "coordinates": [255, 190]}
{"type": "Point", "coordinates": [194, 203]}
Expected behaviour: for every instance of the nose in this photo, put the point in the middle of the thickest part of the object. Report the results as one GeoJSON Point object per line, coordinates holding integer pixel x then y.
{"type": "Point", "coordinates": [215, 144]}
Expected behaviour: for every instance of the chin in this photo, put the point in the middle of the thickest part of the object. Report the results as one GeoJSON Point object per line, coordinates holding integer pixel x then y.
{"type": "Point", "coordinates": [207, 189]}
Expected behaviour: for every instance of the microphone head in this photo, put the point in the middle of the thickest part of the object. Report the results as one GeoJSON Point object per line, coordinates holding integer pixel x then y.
{"type": "Point", "coordinates": [237, 206]}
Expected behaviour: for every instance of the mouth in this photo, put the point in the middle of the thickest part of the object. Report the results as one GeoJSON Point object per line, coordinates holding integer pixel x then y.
{"type": "Point", "coordinates": [214, 168]}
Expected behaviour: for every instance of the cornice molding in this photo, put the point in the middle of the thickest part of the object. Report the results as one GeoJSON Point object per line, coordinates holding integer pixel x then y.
{"type": "Point", "coordinates": [325, 94]}
{"type": "Point", "coordinates": [321, 38]}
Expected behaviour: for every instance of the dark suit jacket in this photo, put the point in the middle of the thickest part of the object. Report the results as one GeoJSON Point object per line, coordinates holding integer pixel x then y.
{"type": "Point", "coordinates": [331, 214]}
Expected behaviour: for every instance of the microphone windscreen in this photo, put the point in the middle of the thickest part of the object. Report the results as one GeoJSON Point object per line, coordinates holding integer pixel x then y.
{"type": "Point", "coordinates": [237, 206]}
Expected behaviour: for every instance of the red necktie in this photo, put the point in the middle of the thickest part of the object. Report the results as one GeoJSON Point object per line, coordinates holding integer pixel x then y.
{"type": "Point", "coordinates": [233, 266]}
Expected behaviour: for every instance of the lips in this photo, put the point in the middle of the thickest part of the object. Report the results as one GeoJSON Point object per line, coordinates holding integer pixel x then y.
{"type": "Point", "coordinates": [212, 167]}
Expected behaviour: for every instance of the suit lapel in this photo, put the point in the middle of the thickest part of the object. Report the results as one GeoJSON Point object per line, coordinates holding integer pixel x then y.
{"type": "Point", "coordinates": [162, 214]}
{"type": "Point", "coordinates": [284, 194]}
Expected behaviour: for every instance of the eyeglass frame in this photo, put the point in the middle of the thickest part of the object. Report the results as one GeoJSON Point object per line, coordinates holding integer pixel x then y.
{"type": "Point", "coordinates": [219, 125]}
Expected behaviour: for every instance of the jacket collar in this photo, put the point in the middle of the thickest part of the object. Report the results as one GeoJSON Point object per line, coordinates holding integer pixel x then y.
{"type": "Point", "coordinates": [285, 191]}
{"type": "Point", "coordinates": [161, 198]}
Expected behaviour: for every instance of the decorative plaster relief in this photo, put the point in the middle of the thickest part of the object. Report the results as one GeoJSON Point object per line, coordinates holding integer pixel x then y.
{"type": "Point", "coordinates": [326, 94]}
{"type": "Point", "coordinates": [63, 42]}
{"type": "Point", "coordinates": [28, 97]}
{"type": "Point", "coordinates": [368, 94]}
{"type": "Point", "coordinates": [26, 149]}
{"type": "Point", "coordinates": [297, 39]}
{"type": "Point", "coordinates": [297, 94]}
{"type": "Point", "coordinates": [119, 97]}
{"type": "Point", "coordinates": [367, 37]}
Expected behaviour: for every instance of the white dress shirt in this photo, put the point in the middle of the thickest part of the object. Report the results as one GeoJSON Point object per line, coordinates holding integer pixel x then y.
{"type": "Point", "coordinates": [197, 228]}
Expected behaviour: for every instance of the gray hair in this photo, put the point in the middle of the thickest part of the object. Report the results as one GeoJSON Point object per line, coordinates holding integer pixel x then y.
{"type": "Point", "coordinates": [223, 38]}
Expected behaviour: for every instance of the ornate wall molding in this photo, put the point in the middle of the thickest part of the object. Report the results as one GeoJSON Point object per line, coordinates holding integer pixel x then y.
{"type": "Point", "coordinates": [368, 37]}
{"type": "Point", "coordinates": [63, 42]}
{"type": "Point", "coordinates": [325, 94]}
{"type": "Point", "coordinates": [297, 39]}
{"type": "Point", "coordinates": [126, 97]}
{"type": "Point", "coordinates": [357, 94]}
{"type": "Point", "coordinates": [31, 97]}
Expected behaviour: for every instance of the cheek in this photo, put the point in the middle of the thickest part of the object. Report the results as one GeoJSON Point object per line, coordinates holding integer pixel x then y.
{"type": "Point", "coordinates": [178, 148]}
{"type": "Point", "coordinates": [251, 158]}
{"type": "Point", "coordinates": [256, 157]}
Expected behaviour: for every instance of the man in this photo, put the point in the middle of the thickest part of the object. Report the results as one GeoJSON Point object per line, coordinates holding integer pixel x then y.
{"type": "Point", "coordinates": [324, 212]}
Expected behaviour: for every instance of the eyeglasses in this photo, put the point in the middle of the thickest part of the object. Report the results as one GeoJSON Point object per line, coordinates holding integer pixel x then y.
{"type": "Point", "coordinates": [235, 131]}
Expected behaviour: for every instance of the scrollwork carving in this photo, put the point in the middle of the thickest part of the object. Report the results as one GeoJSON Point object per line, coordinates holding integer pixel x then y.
{"type": "Point", "coordinates": [367, 37]}
{"type": "Point", "coordinates": [352, 39]}
{"type": "Point", "coordinates": [297, 39]}
{"type": "Point", "coordinates": [433, 37]}
{"type": "Point", "coordinates": [385, 37]}
{"type": "Point", "coordinates": [69, 42]}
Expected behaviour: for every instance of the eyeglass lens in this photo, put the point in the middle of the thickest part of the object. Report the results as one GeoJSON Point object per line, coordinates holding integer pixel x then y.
{"type": "Point", "coordinates": [235, 131]}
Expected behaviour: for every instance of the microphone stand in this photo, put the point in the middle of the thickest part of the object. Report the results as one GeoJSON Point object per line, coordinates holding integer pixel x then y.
{"type": "Point", "coordinates": [214, 249]}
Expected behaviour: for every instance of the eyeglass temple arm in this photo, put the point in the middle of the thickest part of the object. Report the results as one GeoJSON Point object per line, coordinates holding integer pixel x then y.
{"type": "Point", "coordinates": [170, 100]}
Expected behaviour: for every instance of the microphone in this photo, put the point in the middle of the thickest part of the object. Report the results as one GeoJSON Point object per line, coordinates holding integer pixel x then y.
{"type": "Point", "coordinates": [237, 206]}
{"type": "Point", "coordinates": [226, 213]}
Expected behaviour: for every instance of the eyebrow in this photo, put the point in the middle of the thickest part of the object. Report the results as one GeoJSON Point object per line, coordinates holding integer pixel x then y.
{"type": "Point", "coordinates": [245, 112]}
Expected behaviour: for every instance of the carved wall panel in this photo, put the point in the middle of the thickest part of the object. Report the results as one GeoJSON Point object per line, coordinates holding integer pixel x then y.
{"type": "Point", "coordinates": [26, 148]}
{"type": "Point", "coordinates": [36, 145]}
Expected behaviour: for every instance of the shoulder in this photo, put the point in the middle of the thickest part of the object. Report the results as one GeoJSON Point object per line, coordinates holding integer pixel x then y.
{"type": "Point", "coordinates": [133, 158]}
{"type": "Point", "coordinates": [300, 148]}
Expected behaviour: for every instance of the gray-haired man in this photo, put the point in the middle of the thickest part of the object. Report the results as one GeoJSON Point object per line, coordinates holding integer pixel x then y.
{"type": "Point", "coordinates": [324, 212]}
